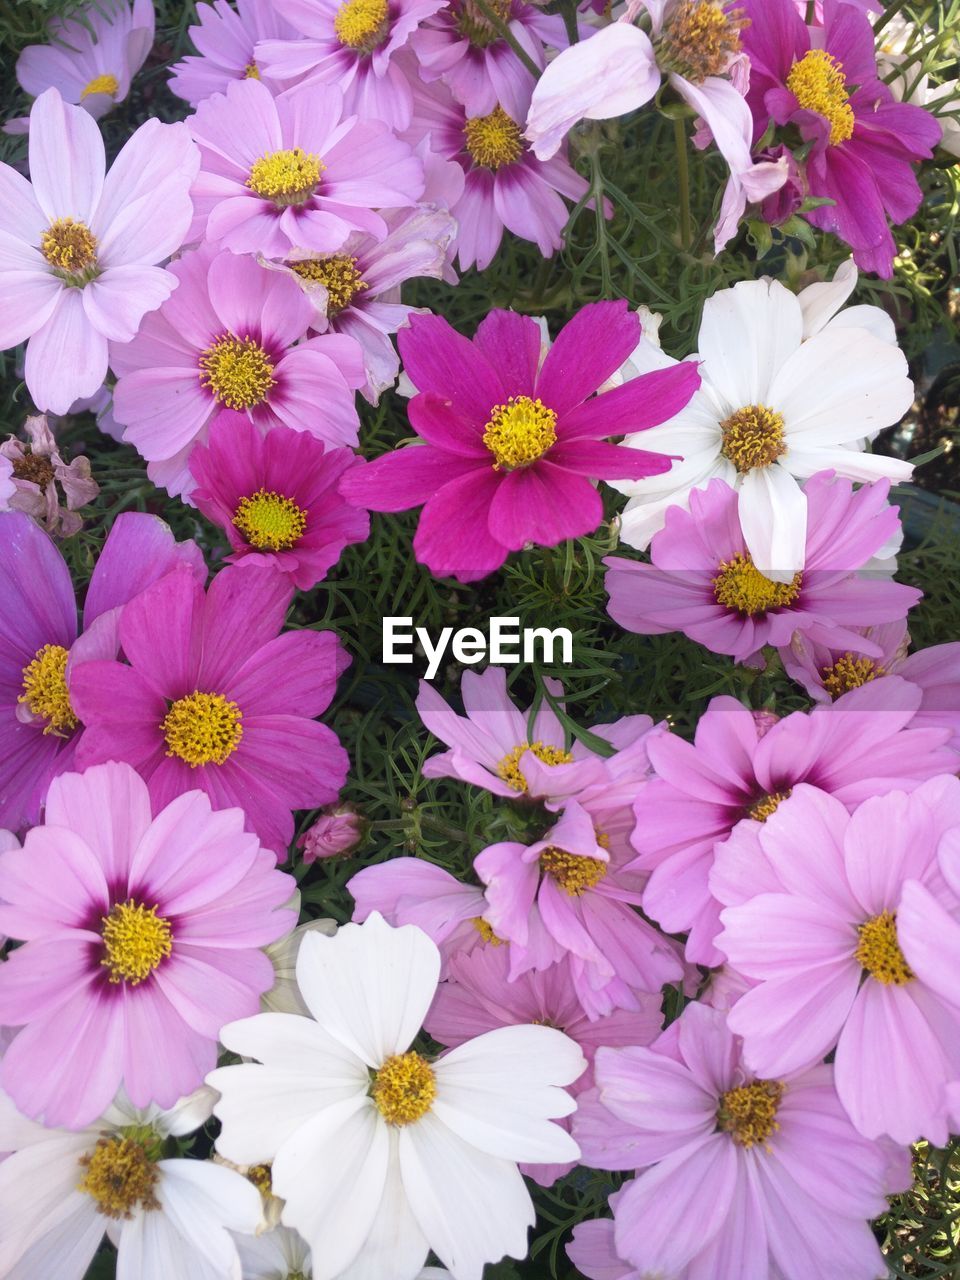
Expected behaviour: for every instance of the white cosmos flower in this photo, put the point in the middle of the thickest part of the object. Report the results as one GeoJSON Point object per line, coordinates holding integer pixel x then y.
{"type": "Point", "coordinates": [61, 1190]}
{"type": "Point", "coordinates": [282, 1254]}
{"type": "Point", "coordinates": [380, 1154]}
{"type": "Point", "coordinates": [791, 385]}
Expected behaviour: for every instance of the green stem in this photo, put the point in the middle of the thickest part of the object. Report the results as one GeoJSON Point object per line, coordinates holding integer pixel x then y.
{"type": "Point", "coordinates": [598, 195]}
{"type": "Point", "coordinates": [890, 12]}
{"type": "Point", "coordinates": [570, 22]}
{"type": "Point", "coordinates": [503, 30]}
{"type": "Point", "coordinates": [443, 829]}
{"type": "Point", "coordinates": [683, 178]}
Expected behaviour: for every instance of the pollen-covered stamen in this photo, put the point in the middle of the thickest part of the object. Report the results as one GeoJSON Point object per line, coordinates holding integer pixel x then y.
{"type": "Point", "coordinates": [740, 587]}
{"type": "Point", "coordinates": [45, 693]}
{"type": "Point", "coordinates": [404, 1088]}
{"type": "Point", "coordinates": [362, 24]}
{"type": "Point", "coordinates": [251, 71]}
{"type": "Point", "coordinates": [35, 468]}
{"type": "Point", "coordinates": [101, 84]}
{"type": "Point", "coordinates": [474, 25]}
{"type": "Point", "coordinates": [237, 371]}
{"type": "Point", "coordinates": [338, 274]}
{"type": "Point", "coordinates": [850, 671]}
{"type": "Point", "coordinates": [135, 941]}
{"type": "Point", "coordinates": [262, 1178]}
{"type": "Point", "coordinates": [749, 1113]}
{"type": "Point", "coordinates": [269, 521]}
{"type": "Point", "coordinates": [818, 84]}
{"type": "Point", "coordinates": [486, 932]}
{"type": "Point", "coordinates": [286, 177]}
{"type": "Point", "coordinates": [493, 140]}
{"type": "Point", "coordinates": [700, 38]}
{"type": "Point", "coordinates": [202, 728]}
{"type": "Point", "coordinates": [764, 806]}
{"type": "Point", "coordinates": [509, 766]}
{"type": "Point", "coordinates": [754, 436]}
{"type": "Point", "coordinates": [120, 1176]}
{"type": "Point", "coordinates": [573, 872]}
{"type": "Point", "coordinates": [70, 247]}
{"type": "Point", "coordinates": [879, 951]}
{"type": "Point", "coordinates": [519, 432]}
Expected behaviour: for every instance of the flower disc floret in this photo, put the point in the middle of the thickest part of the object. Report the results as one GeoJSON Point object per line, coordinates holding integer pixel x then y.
{"type": "Point", "coordinates": [339, 275]}
{"type": "Point", "coordinates": [287, 177]}
{"type": "Point", "coordinates": [765, 806]}
{"type": "Point", "coordinates": [101, 84]}
{"type": "Point", "coordinates": [269, 521]}
{"type": "Point", "coordinates": [202, 728]}
{"type": "Point", "coordinates": [45, 692]}
{"type": "Point", "coordinates": [879, 951]}
{"type": "Point", "coordinates": [475, 26]}
{"type": "Point", "coordinates": [509, 767]}
{"type": "Point", "coordinates": [850, 671]}
{"type": "Point", "coordinates": [404, 1088]}
{"type": "Point", "coordinates": [573, 872]}
{"type": "Point", "coordinates": [120, 1176]}
{"type": "Point", "coordinates": [700, 38]}
{"type": "Point", "coordinates": [740, 587]}
{"type": "Point", "coordinates": [493, 140]}
{"type": "Point", "coordinates": [519, 432]}
{"type": "Point", "coordinates": [486, 932]}
{"type": "Point", "coordinates": [237, 371]}
{"type": "Point", "coordinates": [754, 436]}
{"type": "Point", "coordinates": [362, 24]}
{"type": "Point", "coordinates": [818, 84]}
{"type": "Point", "coordinates": [71, 249]}
{"type": "Point", "coordinates": [135, 941]}
{"type": "Point", "coordinates": [749, 1112]}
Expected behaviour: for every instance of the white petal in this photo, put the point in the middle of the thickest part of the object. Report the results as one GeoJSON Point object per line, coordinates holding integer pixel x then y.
{"type": "Point", "coordinates": [773, 515]}
{"type": "Point", "coordinates": [38, 1190]}
{"type": "Point", "coordinates": [821, 301]}
{"type": "Point", "coordinates": [64, 1252]}
{"type": "Point", "coordinates": [66, 358]}
{"type": "Point", "coordinates": [273, 1254]}
{"type": "Point", "coordinates": [189, 1113]}
{"type": "Point", "coordinates": [204, 1201]}
{"type": "Point", "coordinates": [847, 462]}
{"type": "Point", "coordinates": [746, 335]}
{"type": "Point", "coordinates": [151, 1248]}
{"type": "Point", "coordinates": [395, 1247]}
{"type": "Point", "coordinates": [66, 158]}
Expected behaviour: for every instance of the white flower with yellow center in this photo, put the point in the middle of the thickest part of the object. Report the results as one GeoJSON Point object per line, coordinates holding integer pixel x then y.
{"type": "Point", "coordinates": [380, 1152]}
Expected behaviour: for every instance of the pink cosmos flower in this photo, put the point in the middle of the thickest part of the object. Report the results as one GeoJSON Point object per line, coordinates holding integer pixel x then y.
{"type": "Point", "coordinates": [80, 247]}
{"type": "Point", "coordinates": [862, 141]}
{"type": "Point", "coordinates": [275, 496]}
{"type": "Point", "coordinates": [509, 447]}
{"type": "Point", "coordinates": [39, 474]}
{"type": "Point", "coordinates": [40, 645]}
{"type": "Point", "coordinates": [351, 44]}
{"type": "Point", "coordinates": [703, 582]}
{"type": "Point", "coordinates": [824, 950]}
{"type": "Point", "coordinates": [783, 1183]}
{"type": "Point", "coordinates": [296, 171]}
{"type": "Point", "coordinates": [225, 41]}
{"type": "Point", "coordinates": [143, 932]}
{"type": "Point", "coordinates": [230, 337]}
{"type": "Point", "coordinates": [567, 896]}
{"type": "Point", "coordinates": [215, 699]}
{"type": "Point", "coordinates": [335, 834]}
{"type": "Point", "coordinates": [733, 772]}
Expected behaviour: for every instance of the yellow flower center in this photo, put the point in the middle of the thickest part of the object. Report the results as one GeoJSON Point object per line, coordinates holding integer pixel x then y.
{"type": "Point", "coordinates": [70, 247]}
{"type": "Point", "coordinates": [362, 24]}
{"type": "Point", "coordinates": [519, 432]}
{"type": "Point", "coordinates": [338, 274]}
{"type": "Point", "coordinates": [251, 71]}
{"type": "Point", "coordinates": [509, 767]}
{"type": "Point", "coordinates": [269, 521]}
{"type": "Point", "coordinates": [202, 728]}
{"type": "Point", "coordinates": [34, 468]}
{"type": "Point", "coordinates": [740, 587]}
{"type": "Point", "coordinates": [136, 939]}
{"type": "Point", "coordinates": [404, 1088]}
{"type": "Point", "coordinates": [486, 931]}
{"type": "Point", "coordinates": [879, 951]}
{"type": "Point", "coordinates": [700, 39]}
{"type": "Point", "coordinates": [101, 84]}
{"type": "Point", "coordinates": [849, 672]}
{"type": "Point", "coordinates": [762, 808]}
{"type": "Point", "coordinates": [753, 437]}
{"type": "Point", "coordinates": [474, 25]}
{"type": "Point", "coordinates": [119, 1175]}
{"type": "Point", "coordinates": [237, 371]}
{"type": "Point", "coordinates": [818, 84]}
{"type": "Point", "coordinates": [45, 690]}
{"type": "Point", "coordinates": [574, 873]}
{"type": "Point", "coordinates": [261, 1177]}
{"type": "Point", "coordinates": [286, 177]}
{"type": "Point", "coordinates": [749, 1113]}
{"type": "Point", "coordinates": [493, 140]}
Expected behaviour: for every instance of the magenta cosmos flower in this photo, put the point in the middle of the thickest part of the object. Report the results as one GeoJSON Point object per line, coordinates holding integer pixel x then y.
{"type": "Point", "coordinates": [229, 337]}
{"type": "Point", "coordinates": [784, 1185]}
{"type": "Point", "coordinates": [702, 580]}
{"type": "Point", "coordinates": [214, 699]}
{"type": "Point", "coordinates": [824, 949]}
{"type": "Point", "coordinates": [80, 246]}
{"type": "Point", "coordinates": [225, 41]}
{"type": "Point", "coordinates": [296, 171]}
{"type": "Point", "coordinates": [351, 43]}
{"type": "Point", "coordinates": [862, 141]}
{"type": "Point", "coordinates": [737, 770]}
{"type": "Point", "coordinates": [143, 932]}
{"type": "Point", "coordinates": [40, 644]}
{"type": "Point", "coordinates": [509, 447]}
{"type": "Point", "coordinates": [275, 496]}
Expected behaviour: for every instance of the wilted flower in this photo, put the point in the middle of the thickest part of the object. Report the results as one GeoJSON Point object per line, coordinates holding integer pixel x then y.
{"type": "Point", "coordinates": [39, 474]}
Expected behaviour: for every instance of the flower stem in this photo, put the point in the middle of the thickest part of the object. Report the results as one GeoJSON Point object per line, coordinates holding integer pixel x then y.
{"type": "Point", "coordinates": [889, 12]}
{"type": "Point", "coordinates": [683, 178]}
{"type": "Point", "coordinates": [569, 11]}
{"type": "Point", "coordinates": [503, 29]}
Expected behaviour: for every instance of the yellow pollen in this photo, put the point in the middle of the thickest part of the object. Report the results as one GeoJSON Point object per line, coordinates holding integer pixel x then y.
{"type": "Point", "coordinates": [269, 521]}
{"type": "Point", "coordinates": [762, 808]}
{"type": "Point", "coordinates": [879, 951]}
{"type": "Point", "coordinates": [202, 728]}
{"type": "Point", "coordinates": [261, 1177]}
{"type": "Point", "coordinates": [474, 25]}
{"type": "Point", "coordinates": [136, 939]}
{"type": "Point", "coordinates": [101, 84]}
{"type": "Point", "coordinates": [404, 1088]}
{"type": "Point", "coordinates": [574, 873]}
{"type": "Point", "coordinates": [753, 437]}
{"type": "Point", "coordinates": [251, 71]}
{"type": "Point", "coordinates": [338, 274]}
{"type": "Point", "coordinates": [740, 587]}
{"type": "Point", "coordinates": [486, 931]}
{"type": "Point", "coordinates": [69, 246]}
{"type": "Point", "coordinates": [818, 84]}
{"type": "Point", "coordinates": [749, 1113]}
{"type": "Point", "coordinates": [493, 140]}
{"type": "Point", "coordinates": [45, 690]}
{"type": "Point", "coordinates": [509, 767]}
{"type": "Point", "coordinates": [362, 24]}
{"type": "Point", "coordinates": [119, 1176]}
{"type": "Point", "coordinates": [237, 371]}
{"type": "Point", "coordinates": [700, 39]}
{"type": "Point", "coordinates": [519, 432]}
{"type": "Point", "coordinates": [849, 672]}
{"type": "Point", "coordinates": [286, 177]}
